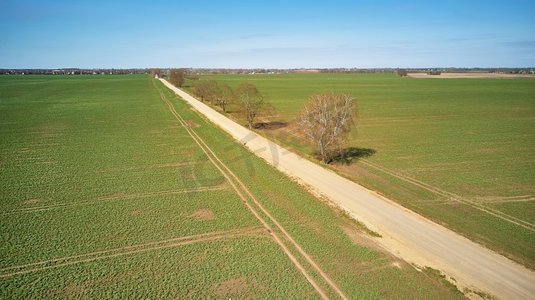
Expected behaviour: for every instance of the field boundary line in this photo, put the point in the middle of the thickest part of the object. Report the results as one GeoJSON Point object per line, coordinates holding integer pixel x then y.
{"type": "Point", "coordinates": [451, 196]}
{"type": "Point", "coordinates": [132, 249]}
{"type": "Point", "coordinates": [231, 177]}
{"type": "Point", "coordinates": [105, 199]}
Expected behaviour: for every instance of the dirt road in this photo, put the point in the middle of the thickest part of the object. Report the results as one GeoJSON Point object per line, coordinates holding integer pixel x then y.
{"type": "Point", "coordinates": [404, 233]}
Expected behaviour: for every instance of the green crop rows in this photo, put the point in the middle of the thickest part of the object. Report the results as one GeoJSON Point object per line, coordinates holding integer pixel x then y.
{"type": "Point", "coordinates": [105, 195]}
{"type": "Point", "coordinates": [449, 149]}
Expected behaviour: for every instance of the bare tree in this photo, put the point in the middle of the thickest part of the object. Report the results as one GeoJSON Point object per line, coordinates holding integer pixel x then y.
{"type": "Point", "coordinates": [223, 96]}
{"type": "Point", "coordinates": [251, 100]}
{"type": "Point", "coordinates": [403, 72]}
{"type": "Point", "coordinates": [326, 121]}
{"type": "Point", "coordinates": [201, 90]}
{"type": "Point", "coordinates": [211, 91]}
{"type": "Point", "coordinates": [156, 72]}
{"type": "Point", "coordinates": [176, 77]}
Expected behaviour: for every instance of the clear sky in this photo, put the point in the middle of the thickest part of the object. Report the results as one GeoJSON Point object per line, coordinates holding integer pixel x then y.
{"type": "Point", "coordinates": [266, 34]}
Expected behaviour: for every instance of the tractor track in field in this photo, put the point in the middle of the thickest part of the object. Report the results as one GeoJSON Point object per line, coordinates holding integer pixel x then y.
{"type": "Point", "coordinates": [105, 199]}
{"type": "Point", "coordinates": [250, 201]}
{"type": "Point", "coordinates": [453, 197]}
{"type": "Point", "coordinates": [11, 271]}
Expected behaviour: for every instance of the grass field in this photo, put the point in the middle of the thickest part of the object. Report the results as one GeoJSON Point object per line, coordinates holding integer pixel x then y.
{"type": "Point", "coordinates": [459, 151]}
{"type": "Point", "coordinates": [111, 187]}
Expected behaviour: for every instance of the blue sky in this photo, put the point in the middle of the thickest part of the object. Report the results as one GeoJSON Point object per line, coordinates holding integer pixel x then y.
{"type": "Point", "coordinates": [267, 34]}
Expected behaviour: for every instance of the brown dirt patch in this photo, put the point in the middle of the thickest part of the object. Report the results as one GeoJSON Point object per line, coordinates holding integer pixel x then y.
{"type": "Point", "coordinates": [74, 291]}
{"type": "Point", "coordinates": [192, 124]}
{"type": "Point", "coordinates": [70, 291]}
{"type": "Point", "coordinates": [364, 240]}
{"type": "Point", "coordinates": [293, 130]}
{"type": "Point", "coordinates": [359, 238]}
{"type": "Point", "coordinates": [31, 201]}
{"type": "Point", "coordinates": [233, 286]}
{"type": "Point", "coordinates": [471, 75]}
{"type": "Point", "coordinates": [203, 215]}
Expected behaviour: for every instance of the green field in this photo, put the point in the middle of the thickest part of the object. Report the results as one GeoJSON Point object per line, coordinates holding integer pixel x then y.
{"type": "Point", "coordinates": [104, 193]}
{"type": "Point", "coordinates": [459, 151]}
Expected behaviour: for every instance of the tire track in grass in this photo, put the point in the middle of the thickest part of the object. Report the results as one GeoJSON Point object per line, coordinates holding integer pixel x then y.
{"type": "Point", "coordinates": [132, 249]}
{"type": "Point", "coordinates": [451, 196]}
{"type": "Point", "coordinates": [510, 199]}
{"type": "Point", "coordinates": [244, 193]}
{"type": "Point", "coordinates": [115, 198]}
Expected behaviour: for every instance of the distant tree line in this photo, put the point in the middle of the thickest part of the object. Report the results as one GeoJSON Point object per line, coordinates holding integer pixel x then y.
{"type": "Point", "coordinates": [198, 71]}
{"type": "Point", "coordinates": [72, 71]}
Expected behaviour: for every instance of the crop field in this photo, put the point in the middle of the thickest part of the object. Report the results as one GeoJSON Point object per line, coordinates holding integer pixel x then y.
{"type": "Point", "coordinates": [459, 151]}
{"type": "Point", "coordinates": [111, 187]}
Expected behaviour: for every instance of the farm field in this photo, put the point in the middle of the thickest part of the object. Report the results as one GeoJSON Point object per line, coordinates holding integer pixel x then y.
{"type": "Point", "coordinates": [111, 187]}
{"type": "Point", "coordinates": [459, 151]}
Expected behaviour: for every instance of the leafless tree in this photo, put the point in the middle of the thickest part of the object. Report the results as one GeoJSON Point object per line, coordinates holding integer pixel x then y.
{"type": "Point", "coordinates": [156, 72]}
{"type": "Point", "coordinates": [403, 72]}
{"type": "Point", "coordinates": [223, 96]}
{"type": "Point", "coordinates": [176, 77]}
{"type": "Point", "coordinates": [252, 101]}
{"type": "Point", "coordinates": [214, 92]}
{"type": "Point", "coordinates": [201, 90]}
{"type": "Point", "coordinates": [326, 121]}
{"type": "Point", "coordinates": [207, 90]}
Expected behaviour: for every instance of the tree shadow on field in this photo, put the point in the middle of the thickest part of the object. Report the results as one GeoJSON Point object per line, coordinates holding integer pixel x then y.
{"type": "Point", "coordinates": [352, 154]}
{"type": "Point", "coordinates": [270, 125]}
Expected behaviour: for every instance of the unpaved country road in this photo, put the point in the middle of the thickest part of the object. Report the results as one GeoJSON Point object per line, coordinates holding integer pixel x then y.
{"type": "Point", "coordinates": [404, 233]}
